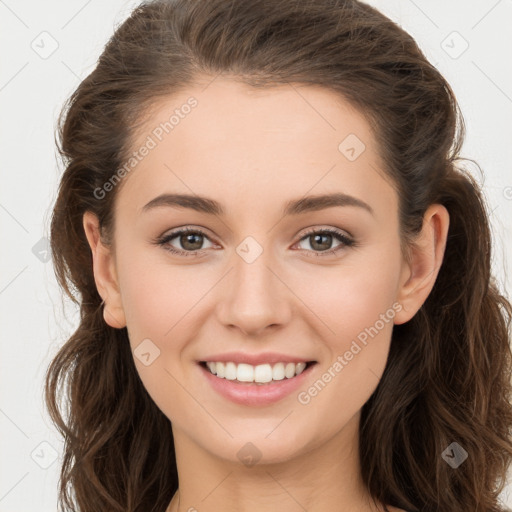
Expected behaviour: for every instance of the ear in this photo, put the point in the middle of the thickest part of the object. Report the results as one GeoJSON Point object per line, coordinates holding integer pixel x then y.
{"type": "Point", "coordinates": [420, 273]}
{"type": "Point", "coordinates": [104, 273]}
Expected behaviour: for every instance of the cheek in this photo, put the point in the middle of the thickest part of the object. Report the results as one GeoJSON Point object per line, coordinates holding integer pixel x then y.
{"type": "Point", "coordinates": [357, 305]}
{"type": "Point", "coordinates": [357, 353]}
{"type": "Point", "coordinates": [158, 303]}
{"type": "Point", "coordinates": [156, 297]}
{"type": "Point", "coordinates": [353, 297]}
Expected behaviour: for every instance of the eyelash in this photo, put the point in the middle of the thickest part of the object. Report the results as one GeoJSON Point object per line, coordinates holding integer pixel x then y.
{"type": "Point", "coordinates": [341, 237]}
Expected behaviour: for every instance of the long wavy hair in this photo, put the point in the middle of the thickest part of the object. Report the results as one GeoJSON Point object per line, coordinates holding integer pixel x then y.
{"type": "Point", "coordinates": [448, 373]}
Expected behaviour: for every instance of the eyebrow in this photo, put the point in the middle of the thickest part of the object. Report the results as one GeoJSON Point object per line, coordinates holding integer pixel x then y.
{"type": "Point", "coordinates": [292, 207]}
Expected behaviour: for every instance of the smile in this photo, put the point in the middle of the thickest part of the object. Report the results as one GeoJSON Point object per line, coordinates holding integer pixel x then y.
{"type": "Point", "coordinates": [249, 385]}
{"type": "Point", "coordinates": [260, 374]}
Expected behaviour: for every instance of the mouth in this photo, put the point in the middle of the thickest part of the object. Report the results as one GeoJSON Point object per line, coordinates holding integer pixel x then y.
{"type": "Point", "coordinates": [261, 385]}
{"type": "Point", "coordinates": [256, 375]}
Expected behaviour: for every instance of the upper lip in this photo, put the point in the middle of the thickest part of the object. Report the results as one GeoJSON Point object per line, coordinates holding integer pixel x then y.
{"type": "Point", "coordinates": [255, 359]}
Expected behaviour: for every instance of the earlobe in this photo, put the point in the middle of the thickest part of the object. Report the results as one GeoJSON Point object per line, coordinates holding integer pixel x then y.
{"type": "Point", "coordinates": [105, 274]}
{"type": "Point", "coordinates": [420, 273]}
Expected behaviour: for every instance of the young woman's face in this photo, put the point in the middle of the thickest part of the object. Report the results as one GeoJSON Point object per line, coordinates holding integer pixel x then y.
{"type": "Point", "coordinates": [273, 276]}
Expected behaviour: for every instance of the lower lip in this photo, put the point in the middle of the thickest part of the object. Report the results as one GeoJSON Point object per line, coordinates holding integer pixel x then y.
{"type": "Point", "coordinates": [246, 393]}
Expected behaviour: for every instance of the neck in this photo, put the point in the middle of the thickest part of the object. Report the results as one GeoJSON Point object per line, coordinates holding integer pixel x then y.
{"type": "Point", "coordinates": [322, 478]}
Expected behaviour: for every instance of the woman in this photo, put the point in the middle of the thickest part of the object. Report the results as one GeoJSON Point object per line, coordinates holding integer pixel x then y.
{"type": "Point", "coordinates": [283, 276]}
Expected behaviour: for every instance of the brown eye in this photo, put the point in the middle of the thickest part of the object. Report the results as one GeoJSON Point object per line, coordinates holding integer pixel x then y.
{"type": "Point", "coordinates": [190, 241]}
{"type": "Point", "coordinates": [320, 241]}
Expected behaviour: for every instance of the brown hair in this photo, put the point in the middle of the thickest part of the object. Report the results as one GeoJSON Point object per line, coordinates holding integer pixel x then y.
{"type": "Point", "coordinates": [448, 373]}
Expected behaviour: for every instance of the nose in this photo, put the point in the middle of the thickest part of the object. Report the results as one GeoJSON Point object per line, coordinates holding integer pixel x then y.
{"type": "Point", "coordinates": [254, 296]}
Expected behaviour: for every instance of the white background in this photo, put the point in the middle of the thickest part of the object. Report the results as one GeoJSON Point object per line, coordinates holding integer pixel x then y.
{"type": "Point", "coordinates": [35, 321]}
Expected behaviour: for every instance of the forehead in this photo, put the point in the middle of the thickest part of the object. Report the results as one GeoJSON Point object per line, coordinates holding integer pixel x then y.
{"type": "Point", "coordinates": [254, 145]}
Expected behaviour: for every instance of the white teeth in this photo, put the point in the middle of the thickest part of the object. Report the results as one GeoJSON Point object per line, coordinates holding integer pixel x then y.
{"type": "Point", "coordinates": [260, 374]}
{"type": "Point", "coordinates": [219, 370]}
{"type": "Point", "coordinates": [230, 371]}
{"type": "Point", "coordinates": [245, 373]}
{"type": "Point", "coordinates": [278, 371]}
{"type": "Point", "coordinates": [300, 368]}
{"type": "Point", "coordinates": [263, 373]}
{"type": "Point", "coordinates": [289, 371]}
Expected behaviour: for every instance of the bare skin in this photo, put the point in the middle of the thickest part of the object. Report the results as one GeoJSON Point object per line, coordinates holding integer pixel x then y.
{"type": "Point", "coordinates": [252, 151]}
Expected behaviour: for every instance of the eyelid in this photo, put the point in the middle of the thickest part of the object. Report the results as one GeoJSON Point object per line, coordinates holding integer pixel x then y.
{"type": "Point", "coordinates": [329, 229]}
{"type": "Point", "coordinates": [185, 229]}
{"type": "Point", "coordinates": [344, 238]}
{"type": "Point", "coordinates": [164, 239]}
